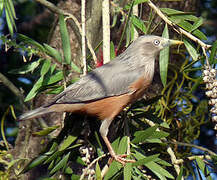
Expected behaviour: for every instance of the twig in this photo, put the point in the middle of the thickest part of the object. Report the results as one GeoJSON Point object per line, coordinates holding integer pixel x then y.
{"type": "Point", "coordinates": [12, 87]}
{"type": "Point", "coordinates": [106, 31]}
{"type": "Point", "coordinates": [176, 28]}
{"type": "Point", "coordinates": [180, 161]}
{"type": "Point", "coordinates": [193, 145]}
{"type": "Point", "coordinates": [57, 10]}
{"type": "Point", "coordinates": [169, 150]}
{"type": "Point", "coordinates": [91, 164]}
{"type": "Point", "coordinates": [83, 34]}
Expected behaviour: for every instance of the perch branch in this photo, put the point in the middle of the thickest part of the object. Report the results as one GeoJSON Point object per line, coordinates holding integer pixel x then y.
{"type": "Point", "coordinates": [176, 28]}
{"type": "Point", "coordinates": [57, 10]}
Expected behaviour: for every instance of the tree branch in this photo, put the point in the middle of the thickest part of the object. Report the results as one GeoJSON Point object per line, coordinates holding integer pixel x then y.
{"type": "Point", "coordinates": [57, 10]}
{"type": "Point", "coordinates": [12, 87]}
{"type": "Point", "coordinates": [176, 28]}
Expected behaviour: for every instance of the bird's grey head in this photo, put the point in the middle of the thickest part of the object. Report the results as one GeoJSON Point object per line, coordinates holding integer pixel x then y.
{"type": "Point", "coordinates": [150, 45]}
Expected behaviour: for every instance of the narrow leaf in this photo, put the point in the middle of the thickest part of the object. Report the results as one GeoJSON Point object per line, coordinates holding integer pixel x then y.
{"type": "Point", "coordinates": [197, 24]}
{"type": "Point", "coordinates": [98, 172]}
{"type": "Point", "coordinates": [213, 52]}
{"type": "Point", "coordinates": [122, 148]}
{"type": "Point", "coordinates": [26, 68]}
{"type": "Point", "coordinates": [67, 142]}
{"type": "Point", "coordinates": [30, 41]}
{"type": "Point", "coordinates": [61, 164]}
{"type": "Point", "coordinates": [146, 160]}
{"type": "Point", "coordinates": [53, 52]}
{"type": "Point", "coordinates": [35, 89]}
{"type": "Point", "coordinates": [141, 136]}
{"type": "Point", "coordinates": [164, 58]}
{"type": "Point", "coordinates": [139, 24]}
{"type": "Point", "coordinates": [45, 131]}
{"type": "Point", "coordinates": [191, 49]}
{"type": "Point", "coordinates": [128, 171]}
{"type": "Point", "coordinates": [180, 176]}
{"type": "Point", "coordinates": [53, 79]}
{"type": "Point", "coordinates": [45, 67]}
{"type": "Point", "coordinates": [65, 40]}
{"type": "Point", "coordinates": [35, 162]}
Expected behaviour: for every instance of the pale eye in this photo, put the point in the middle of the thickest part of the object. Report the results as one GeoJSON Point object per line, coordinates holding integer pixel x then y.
{"type": "Point", "coordinates": [156, 42]}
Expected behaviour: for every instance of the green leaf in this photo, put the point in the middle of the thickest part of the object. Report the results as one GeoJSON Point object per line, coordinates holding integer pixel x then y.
{"type": "Point", "coordinates": [122, 148]}
{"type": "Point", "coordinates": [141, 136]}
{"type": "Point", "coordinates": [67, 142]}
{"type": "Point", "coordinates": [112, 50]}
{"type": "Point", "coordinates": [128, 171]}
{"type": "Point", "coordinates": [9, 22]}
{"type": "Point", "coordinates": [213, 52]}
{"type": "Point", "coordinates": [53, 78]}
{"type": "Point", "coordinates": [53, 52]}
{"type": "Point", "coordinates": [146, 160]}
{"type": "Point", "coordinates": [68, 170]}
{"type": "Point", "coordinates": [35, 162]}
{"type": "Point", "coordinates": [54, 156]}
{"type": "Point", "coordinates": [127, 7]}
{"type": "Point", "coordinates": [98, 172]}
{"type": "Point", "coordinates": [138, 23]}
{"type": "Point", "coordinates": [199, 34]}
{"type": "Point", "coordinates": [114, 171]}
{"type": "Point", "coordinates": [45, 67]}
{"type": "Point", "coordinates": [158, 170]}
{"type": "Point", "coordinates": [61, 164]}
{"type": "Point", "coordinates": [180, 176]}
{"type": "Point", "coordinates": [191, 49]}
{"type": "Point", "coordinates": [45, 131]}
{"type": "Point", "coordinates": [164, 58]}
{"type": "Point", "coordinates": [179, 14]}
{"type": "Point", "coordinates": [35, 89]}
{"type": "Point", "coordinates": [197, 24]}
{"type": "Point", "coordinates": [30, 41]}
{"type": "Point", "coordinates": [65, 40]}
{"type": "Point", "coordinates": [26, 68]}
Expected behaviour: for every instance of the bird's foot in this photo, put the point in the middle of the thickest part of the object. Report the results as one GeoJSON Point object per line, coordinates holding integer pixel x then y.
{"type": "Point", "coordinates": [122, 159]}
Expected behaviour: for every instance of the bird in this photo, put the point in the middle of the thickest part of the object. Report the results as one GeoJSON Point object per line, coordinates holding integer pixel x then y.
{"type": "Point", "coordinates": [107, 90]}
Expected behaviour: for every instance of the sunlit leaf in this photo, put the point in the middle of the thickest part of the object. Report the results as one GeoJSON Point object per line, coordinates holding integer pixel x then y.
{"type": "Point", "coordinates": [35, 162]}
{"type": "Point", "coordinates": [146, 160]}
{"type": "Point", "coordinates": [65, 40]}
{"type": "Point", "coordinates": [213, 52]}
{"type": "Point", "coordinates": [197, 24]}
{"type": "Point", "coordinates": [112, 50]}
{"type": "Point", "coordinates": [53, 52]}
{"type": "Point", "coordinates": [67, 142]}
{"type": "Point", "coordinates": [139, 24]}
{"type": "Point", "coordinates": [26, 68]}
{"type": "Point", "coordinates": [98, 172]}
{"type": "Point", "coordinates": [45, 67]}
{"type": "Point", "coordinates": [53, 79]}
{"type": "Point", "coordinates": [191, 49]}
{"type": "Point", "coordinates": [122, 145]}
{"type": "Point", "coordinates": [45, 131]}
{"type": "Point", "coordinates": [164, 58]}
{"type": "Point", "coordinates": [35, 89]}
{"type": "Point", "coordinates": [141, 136]}
{"type": "Point", "coordinates": [61, 164]}
{"type": "Point", "coordinates": [30, 41]}
{"type": "Point", "coordinates": [128, 171]}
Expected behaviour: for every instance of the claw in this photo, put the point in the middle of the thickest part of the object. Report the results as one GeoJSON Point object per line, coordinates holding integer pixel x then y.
{"type": "Point", "coordinates": [121, 159]}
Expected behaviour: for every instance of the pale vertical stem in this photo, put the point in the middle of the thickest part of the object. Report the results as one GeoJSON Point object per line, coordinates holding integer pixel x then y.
{"type": "Point", "coordinates": [83, 35]}
{"type": "Point", "coordinates": [106, 31]}
{"type": "Point", "coordinates": [136, 13]}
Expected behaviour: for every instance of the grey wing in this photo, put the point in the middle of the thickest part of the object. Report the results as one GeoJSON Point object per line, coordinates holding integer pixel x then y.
{"type": "Point", "coordinates": [112, 79]}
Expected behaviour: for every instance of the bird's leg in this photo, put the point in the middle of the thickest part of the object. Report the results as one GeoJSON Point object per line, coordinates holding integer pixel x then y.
{"type": "Point", "coordinates": [104, 131]}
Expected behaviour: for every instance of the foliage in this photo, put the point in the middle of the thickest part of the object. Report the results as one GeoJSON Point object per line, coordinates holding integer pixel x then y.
{"type": "Point", "coordinates": [176, 115]}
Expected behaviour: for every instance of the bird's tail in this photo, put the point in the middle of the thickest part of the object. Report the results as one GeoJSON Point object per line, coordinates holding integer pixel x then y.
{"type": "Point", "coordinates": [34, 113]}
